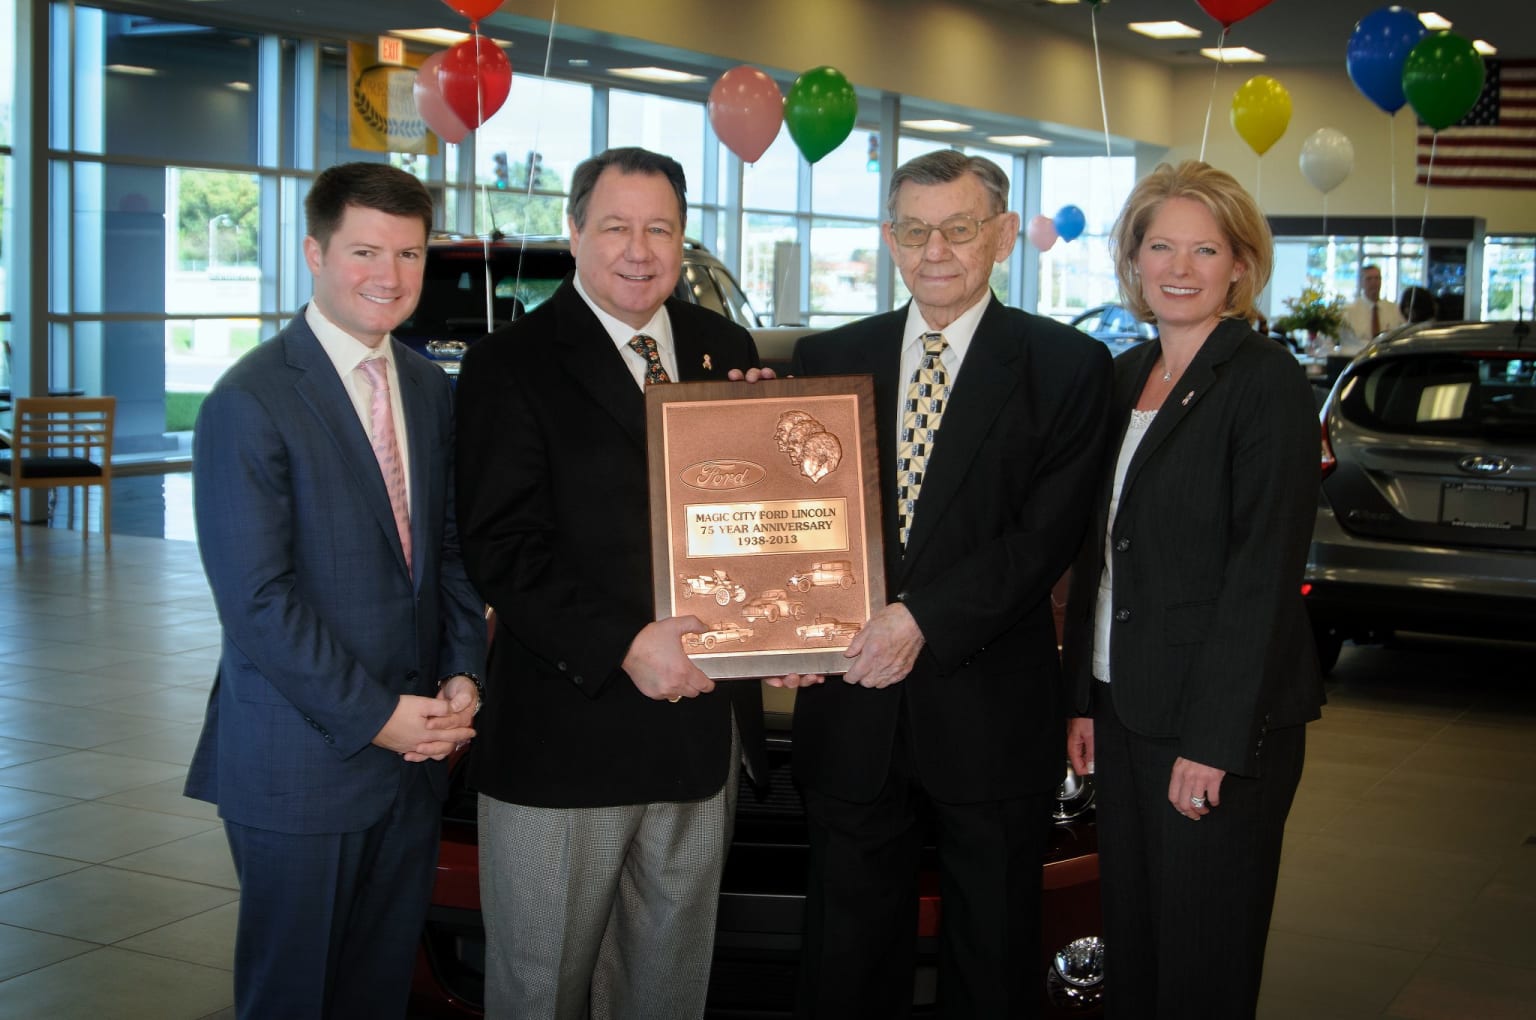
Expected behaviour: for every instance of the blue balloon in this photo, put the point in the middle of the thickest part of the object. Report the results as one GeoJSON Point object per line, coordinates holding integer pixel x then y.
{"type": "Point", "coordinates": [1070, 222]}
{"type": "Point", "coordinates": [1378, 49]}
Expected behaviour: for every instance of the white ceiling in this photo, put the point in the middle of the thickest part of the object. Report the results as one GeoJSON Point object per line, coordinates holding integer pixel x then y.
{"type": "Point", "coordinates": [1287, 31]}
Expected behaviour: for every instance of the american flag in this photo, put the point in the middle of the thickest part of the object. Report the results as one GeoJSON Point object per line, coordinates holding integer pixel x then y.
{"type": "Point", "coordinates": [1493, 146]}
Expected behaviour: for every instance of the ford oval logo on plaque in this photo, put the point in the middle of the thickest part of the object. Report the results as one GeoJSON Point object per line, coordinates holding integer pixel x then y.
{"type": "Point", "coordinates": [765, 520]}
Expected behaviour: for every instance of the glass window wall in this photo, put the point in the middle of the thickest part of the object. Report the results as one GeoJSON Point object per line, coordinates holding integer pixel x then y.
{"type": "Point", "coordinates": [1509, 278]}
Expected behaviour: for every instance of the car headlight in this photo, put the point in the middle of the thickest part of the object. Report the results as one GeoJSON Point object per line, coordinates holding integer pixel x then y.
{"type": "Point", "coordinates": [1073, 797]}
{"type": "Point", "coordinates": [1076, 977]}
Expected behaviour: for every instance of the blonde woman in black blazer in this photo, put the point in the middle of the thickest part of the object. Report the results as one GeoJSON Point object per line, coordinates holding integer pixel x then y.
{"type": "Point", "coordinates": [1188, 655]}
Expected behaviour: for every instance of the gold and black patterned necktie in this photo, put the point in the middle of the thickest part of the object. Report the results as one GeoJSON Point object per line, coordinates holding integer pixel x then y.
{"type": "Point", "coordinates": [924, 408]}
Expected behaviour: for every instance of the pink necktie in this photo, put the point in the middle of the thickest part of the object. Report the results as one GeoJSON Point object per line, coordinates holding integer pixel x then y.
{"type": "Point", "coordinates": [387, 449]}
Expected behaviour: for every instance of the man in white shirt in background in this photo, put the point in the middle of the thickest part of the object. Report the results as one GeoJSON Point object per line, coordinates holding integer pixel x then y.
{"type": "Point", "coordinates": [1368, 316]}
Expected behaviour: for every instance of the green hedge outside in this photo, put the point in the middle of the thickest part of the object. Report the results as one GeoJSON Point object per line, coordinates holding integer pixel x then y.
{"type": "Point", "coordinates": [181, 410]}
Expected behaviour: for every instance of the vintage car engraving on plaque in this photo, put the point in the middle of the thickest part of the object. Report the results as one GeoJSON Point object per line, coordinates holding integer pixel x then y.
{"type": "Point", "coordinates": [827, 574]}
{"type": "Point", "coordinates": [717, 584]}
{"type": "Point", "coordinates": [723, 632]}
{"type": "Point", "coordinates": [772, 604]}
{"type": "Point", "coordinates": [826, 628]}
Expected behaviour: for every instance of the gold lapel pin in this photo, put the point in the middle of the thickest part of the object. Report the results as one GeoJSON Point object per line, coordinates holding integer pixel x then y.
{"type": "Point", "coordinates": [708, 365]}
{"type": "Point", "coordinates": [1187, 398]}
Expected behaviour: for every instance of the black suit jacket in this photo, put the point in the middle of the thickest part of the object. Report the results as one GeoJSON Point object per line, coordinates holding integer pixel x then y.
{"type": "Point", "coordinates": [1210, 642]}
{"type": "Point", "coordinates": [554, 517]}
{"type": "Point", "coordinates": [1005, 498]}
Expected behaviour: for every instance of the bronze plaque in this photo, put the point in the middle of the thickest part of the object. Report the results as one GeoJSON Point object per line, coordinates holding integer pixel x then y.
{"type": "Point", "coordinates": [765, 519]}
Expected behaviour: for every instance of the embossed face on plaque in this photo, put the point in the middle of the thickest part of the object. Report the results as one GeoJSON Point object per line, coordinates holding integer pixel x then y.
{"type": "Point", "coordinates": [764, 508]}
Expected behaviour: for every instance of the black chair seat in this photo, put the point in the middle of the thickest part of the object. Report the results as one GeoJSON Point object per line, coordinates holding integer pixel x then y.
{"type": "Point", "coordinates": [53, 467]}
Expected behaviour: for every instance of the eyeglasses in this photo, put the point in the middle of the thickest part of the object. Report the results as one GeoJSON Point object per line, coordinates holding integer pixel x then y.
{"type": "Point", "coordinates": [956, 230]}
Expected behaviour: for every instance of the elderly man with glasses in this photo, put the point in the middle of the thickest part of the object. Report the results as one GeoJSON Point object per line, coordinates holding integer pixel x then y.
{"type": "Point", "coordinates": [947, 722]}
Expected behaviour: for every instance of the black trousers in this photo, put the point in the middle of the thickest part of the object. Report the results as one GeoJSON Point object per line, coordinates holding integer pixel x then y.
{"type": "Point", "coordinates": [1186, 904]}
{"type": "Point", "coordinates": [861, 906]}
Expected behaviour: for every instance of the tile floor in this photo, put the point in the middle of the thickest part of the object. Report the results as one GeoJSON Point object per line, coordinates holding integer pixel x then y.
{"type": "Point", "coordinates": [1407, 890]}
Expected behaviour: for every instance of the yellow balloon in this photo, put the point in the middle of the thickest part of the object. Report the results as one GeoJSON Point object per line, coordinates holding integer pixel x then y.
{"type": "Point", "coordinates": [1261, 111]}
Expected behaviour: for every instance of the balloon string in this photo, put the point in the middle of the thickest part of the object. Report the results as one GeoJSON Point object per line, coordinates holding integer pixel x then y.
{"type": "Point", "coordinates": [1258, 181]}
{"type": "Point", "coordinates": [1429, 173]}
{"type": "Point", "coordinates": [1325, 214]}
{"type": "Point", "coordinates": [1098, 68]}
{"type": "Point", "coordinates": [485, 195]}
{"type": "Point", "coordinates": [1211, 103]}
{"type": "Point", "coordinates": [538, 123]}
{"type": "Point", "coordinates": [1392, 163]}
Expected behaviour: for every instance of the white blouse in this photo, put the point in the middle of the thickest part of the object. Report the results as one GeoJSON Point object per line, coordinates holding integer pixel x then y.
{"type": "Point", "coordinates": [1103, 616]}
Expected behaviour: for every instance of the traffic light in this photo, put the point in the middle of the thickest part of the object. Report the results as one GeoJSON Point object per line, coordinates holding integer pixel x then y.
{"type": "Point", "coordinates": [535, 166]}
{"type": "Point", "coordinates": [872, 161]}
{"type": "Point", "coordinates": [503, 179]}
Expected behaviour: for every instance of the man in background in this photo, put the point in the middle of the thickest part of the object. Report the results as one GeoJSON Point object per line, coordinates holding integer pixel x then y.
{"type": "Point", "coordinates": [1369, 315]}
{"type": "Point", "coordinates": [324, 501]}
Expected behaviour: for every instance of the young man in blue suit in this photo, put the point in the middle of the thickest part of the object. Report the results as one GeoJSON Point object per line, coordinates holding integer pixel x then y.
{"type": "Point", "coordinates": [323, 483]}
{"type": "Point", "coordinates": [991, 422]}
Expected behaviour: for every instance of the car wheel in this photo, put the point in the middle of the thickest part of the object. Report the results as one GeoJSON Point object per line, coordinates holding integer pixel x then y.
{"type": "Point", "coordinates": [803, 585]}
{"type": "Point", "coordinates": [846, 582]}
{"type": "Point", "coordinates": [741, 595]}
{"type": "Point", "coordinates": [722, 597]}
{"type": "Point", "coordinates": [709, 641]}
{"type": "Point", "coordinates": [1329, 644]}
{"type": "Point", "coordinates": [798, 612]}
{"type": "Point", "coordinates": [772, 614]}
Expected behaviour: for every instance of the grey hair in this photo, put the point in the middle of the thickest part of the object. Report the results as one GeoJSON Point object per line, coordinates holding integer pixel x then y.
{"type": "Point", "coordinates": [947, 165]}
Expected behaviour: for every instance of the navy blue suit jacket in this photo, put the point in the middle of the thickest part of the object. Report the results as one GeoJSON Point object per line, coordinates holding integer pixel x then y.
{"type": "Point", "coordinates": [324, 628]}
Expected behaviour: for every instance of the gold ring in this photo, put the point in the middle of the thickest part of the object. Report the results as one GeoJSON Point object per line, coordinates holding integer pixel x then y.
{"type": "Point", "coordinates": [675, 700]}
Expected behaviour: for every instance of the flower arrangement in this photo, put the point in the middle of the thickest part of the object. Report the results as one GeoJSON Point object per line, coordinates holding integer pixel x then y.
{"type": "Point", "coordinates": [1314, 312]}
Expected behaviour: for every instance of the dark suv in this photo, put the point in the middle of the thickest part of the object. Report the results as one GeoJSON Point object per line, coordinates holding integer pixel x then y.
{"type": "Point", "coordinates": [521, 272]}
{"type": "Point", "coordinates": [762, 895]}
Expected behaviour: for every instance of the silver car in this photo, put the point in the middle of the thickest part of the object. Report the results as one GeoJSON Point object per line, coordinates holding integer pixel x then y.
{"type": "Point", "coordinates": [1429, 476]}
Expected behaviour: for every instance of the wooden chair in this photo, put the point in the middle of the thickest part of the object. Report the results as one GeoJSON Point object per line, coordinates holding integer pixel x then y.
{"type": "Point", "coordinates": [61, 442]}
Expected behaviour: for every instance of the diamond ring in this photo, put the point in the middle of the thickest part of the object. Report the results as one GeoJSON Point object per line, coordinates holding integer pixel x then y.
{"type": "Point", "coordinates": [1198, 802]}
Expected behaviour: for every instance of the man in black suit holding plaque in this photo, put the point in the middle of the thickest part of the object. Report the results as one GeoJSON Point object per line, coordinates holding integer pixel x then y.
{"type": "Point", "coordinates": [991, 429]}
{"type": "Point", "coordinates": [608, 773]}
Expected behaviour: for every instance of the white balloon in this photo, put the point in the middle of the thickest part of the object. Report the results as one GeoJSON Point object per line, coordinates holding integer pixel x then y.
{"type": "Point", "coordinates": [1327, 157]}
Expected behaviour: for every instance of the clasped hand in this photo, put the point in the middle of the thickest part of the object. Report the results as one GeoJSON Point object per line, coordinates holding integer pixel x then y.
{"type": "Point", "coordinates": [422, 728]}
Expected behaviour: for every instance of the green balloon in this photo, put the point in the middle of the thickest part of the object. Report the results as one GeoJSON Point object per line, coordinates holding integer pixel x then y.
{"type": "Point", "coordinates": [1442, 78]}
{"type": "Point", "coordinates": [819, 111]}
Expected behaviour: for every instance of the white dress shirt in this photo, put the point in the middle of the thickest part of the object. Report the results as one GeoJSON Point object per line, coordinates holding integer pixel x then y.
{"type": "Point", "coordinates": [658, 329]}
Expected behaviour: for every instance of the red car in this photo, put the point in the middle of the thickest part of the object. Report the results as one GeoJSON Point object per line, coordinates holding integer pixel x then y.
{"type": "Point", "coordinates": [757, 937]}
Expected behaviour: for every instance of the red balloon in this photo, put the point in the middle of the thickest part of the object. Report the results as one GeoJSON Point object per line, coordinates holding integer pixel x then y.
{"type": "Point", "coordinates": [434, 109]}
{"type": "Point", "coordinates": [474, 10]}
{"type": "Point", "coordinates": [746, 109]}
{"type": "Point", "coordinates": [475, 88]}
{"type": "Point", "coordinates": [1230, 12]}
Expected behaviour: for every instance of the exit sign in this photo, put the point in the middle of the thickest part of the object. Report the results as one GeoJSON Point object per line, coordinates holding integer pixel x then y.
{"type": "Point", "coordinates": [391, 50]}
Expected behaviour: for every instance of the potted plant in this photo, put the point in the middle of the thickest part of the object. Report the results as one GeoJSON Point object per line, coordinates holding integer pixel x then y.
{"type": "Point", "coordinates": [1317, 314]}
